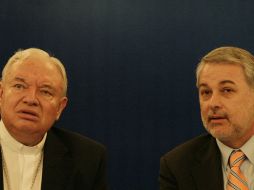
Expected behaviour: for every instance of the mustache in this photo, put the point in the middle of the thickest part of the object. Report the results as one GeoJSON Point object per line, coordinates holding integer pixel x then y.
{"type": "Point", "coordinates": [217, 115]}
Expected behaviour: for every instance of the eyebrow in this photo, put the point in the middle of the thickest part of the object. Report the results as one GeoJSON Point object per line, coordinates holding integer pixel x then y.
{"type": "Point", "coordinates": [47, 86]}
{"type": "Point", "coordinates": [43, 86]}
{"type": "Point", "coordinates": [220, 83]}
{"type": "Point", "coordinates": [227, 81]}
{"type": "Point", "coordinates": [19, 79]}
{"type": "Point", "coordinates": [202, 85]}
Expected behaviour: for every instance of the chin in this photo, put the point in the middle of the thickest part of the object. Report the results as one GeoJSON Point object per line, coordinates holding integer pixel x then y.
{"type": "Point", "coordinates": [219, 131]}
{"type": "Point", "coordinates": [222, 135]}
{"type": "Point", "coordinates": [27, 127]}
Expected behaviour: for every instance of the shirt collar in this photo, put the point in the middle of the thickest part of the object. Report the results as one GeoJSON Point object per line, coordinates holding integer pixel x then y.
{"type": "Point", "coordinates": [225, 152]}
{"type": "Point", "coordinates": [8, 141]}
{"type": "Point", "coordinates": [247, 149]}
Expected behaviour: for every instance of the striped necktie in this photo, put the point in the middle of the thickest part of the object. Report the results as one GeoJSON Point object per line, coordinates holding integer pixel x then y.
{"type": "Point", "coordinates": [236, 179]}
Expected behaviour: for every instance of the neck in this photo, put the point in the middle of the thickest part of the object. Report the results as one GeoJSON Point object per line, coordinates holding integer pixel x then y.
{"type": "Point", "coordinates": [236, 143]}
{"type": "Point", "coordinates": [26, 139]}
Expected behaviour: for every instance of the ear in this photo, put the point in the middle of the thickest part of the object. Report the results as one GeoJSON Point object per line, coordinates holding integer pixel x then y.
{"type": "Point", "coordinates": [61, 106]}
{"type": "Point", "coordinates": [1, 92]}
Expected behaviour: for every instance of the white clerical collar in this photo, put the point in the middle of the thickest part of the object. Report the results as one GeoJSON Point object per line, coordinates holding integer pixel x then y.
{"type": "Point", "coordinates": [8, 141]}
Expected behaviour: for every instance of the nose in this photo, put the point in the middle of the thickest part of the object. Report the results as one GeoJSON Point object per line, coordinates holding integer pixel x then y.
{"type": "Point", "coordinates": [30, 98]}
{"type": "Point", "coordinates": [215, 102]}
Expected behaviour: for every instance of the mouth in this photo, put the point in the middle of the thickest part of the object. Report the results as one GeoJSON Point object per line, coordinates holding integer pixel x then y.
{"type": "Point", "coordinates": [28, 115]}
{"type": "Point", "coordinates": [217, 118]}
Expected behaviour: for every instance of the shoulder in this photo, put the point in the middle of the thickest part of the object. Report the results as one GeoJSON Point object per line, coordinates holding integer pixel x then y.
{"type": "Point", "coordinates": [82, 158]}
{"type": "Point", "coordinates": [74, 142]}
{"type": "Point", "coordinates": [186, 151]}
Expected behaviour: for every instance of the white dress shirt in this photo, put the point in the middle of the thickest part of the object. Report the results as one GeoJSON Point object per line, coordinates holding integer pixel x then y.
{"type": "Point", "coordinates": [22, 165]}
{"type": "Point", "coordinates": [247, 166]}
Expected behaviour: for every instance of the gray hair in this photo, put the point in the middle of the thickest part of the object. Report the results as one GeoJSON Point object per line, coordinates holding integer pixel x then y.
{"type": "Point", "coordinates": [229, 55]}
{"type": "Point", "coordinates": [21, 55]}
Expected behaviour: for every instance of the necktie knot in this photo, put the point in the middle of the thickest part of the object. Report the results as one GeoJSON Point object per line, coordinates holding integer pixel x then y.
{"type": "Point", "coordinates": [236, 158]}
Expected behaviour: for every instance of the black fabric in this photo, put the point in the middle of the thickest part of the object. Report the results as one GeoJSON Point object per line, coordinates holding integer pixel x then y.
{"type": "Point", "coordinates": [195, 165]}
{"type": "Point", "coordinates": [71, 162]}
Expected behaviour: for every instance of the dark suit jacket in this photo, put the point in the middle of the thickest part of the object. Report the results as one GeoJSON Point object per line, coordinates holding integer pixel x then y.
{"type": "Point", "coordinates": [194, 165]}
{"type": "Point", "coordinates": [71, 162]}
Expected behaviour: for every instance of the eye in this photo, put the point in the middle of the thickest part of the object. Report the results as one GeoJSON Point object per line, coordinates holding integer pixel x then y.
{"type": "Point", "coordinates": [205, 93]}
{"type": "Point", "coordinates": [46, 92]}
{"type": "Point", "coordinates": [227, 90]}
{"type": "Point", "coordinates": [19, 86]}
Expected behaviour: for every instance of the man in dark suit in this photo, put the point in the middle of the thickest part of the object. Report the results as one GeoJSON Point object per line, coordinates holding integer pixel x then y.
{"type": "Point", "coordinates": [223, 158]}
{"type": "Point", "coordinates": [34, 154]}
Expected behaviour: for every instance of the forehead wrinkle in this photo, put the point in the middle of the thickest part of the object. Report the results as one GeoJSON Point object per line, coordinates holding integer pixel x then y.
{"type": "Point", "coordinates": [47, 83]}
{"type": "Point", "coordinates": [43, 85]}
{"type": "Point", "coordinates": [226, 82]}
{"type": "Point", "coordinates": [11, 79]}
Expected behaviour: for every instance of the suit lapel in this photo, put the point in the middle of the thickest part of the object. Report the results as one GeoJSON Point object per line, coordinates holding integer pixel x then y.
{"type": "Point", "coordinates": [207, 170]}
{"type": "Point", "coordinates": [57, 165]}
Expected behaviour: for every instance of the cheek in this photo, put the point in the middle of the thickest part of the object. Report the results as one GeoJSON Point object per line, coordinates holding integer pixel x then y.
{"type": "Point", "coordinates": [9, 97]}
{"type": "Point", "coordinates": [7, 101]}
{"type": "Point", "coordinates": [50, 109]}
{"type": "Point", "coordinates": [244, 111]}
{"type": "Point", "coordinates": [240, 113]}
{"type": "Point", "coordinates": [203, 109]}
